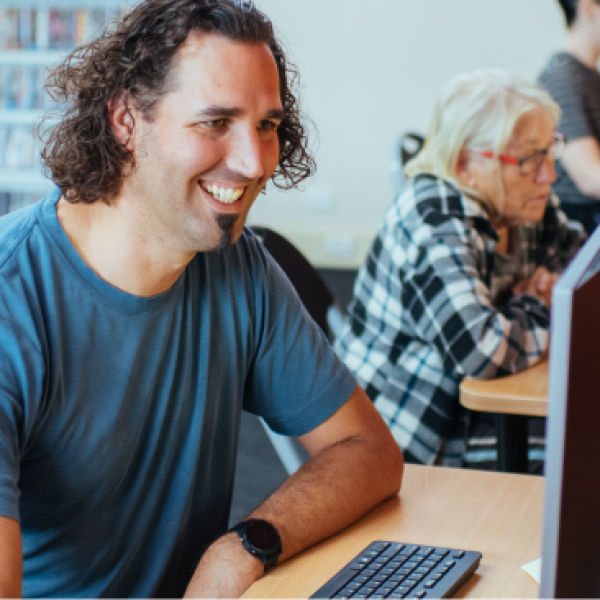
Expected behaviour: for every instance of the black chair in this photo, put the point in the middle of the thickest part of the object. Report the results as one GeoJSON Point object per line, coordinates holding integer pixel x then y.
{"type": "Point", "coordinates": [312, 290]}
{"type": "Point", "coordinates": [405, 148]}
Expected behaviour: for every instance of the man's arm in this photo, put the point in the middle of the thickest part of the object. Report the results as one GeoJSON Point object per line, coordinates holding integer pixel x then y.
{"type": "Point", "coordinates": [11, 559]}
{"type": "Point", "coordinates": [581, 160]}
{"type": "Point", "coordinates": [355, 464]}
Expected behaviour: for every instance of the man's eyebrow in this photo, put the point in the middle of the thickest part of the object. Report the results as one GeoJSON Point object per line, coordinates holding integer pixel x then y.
{"type": "Point", "coordinates": [276, 113]}
{"type": "Point", "coordinates": [214, 112]}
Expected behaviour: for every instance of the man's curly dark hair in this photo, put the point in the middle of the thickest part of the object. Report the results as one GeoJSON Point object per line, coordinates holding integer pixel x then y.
{"type": "Point", "coordinates": [84, 158]}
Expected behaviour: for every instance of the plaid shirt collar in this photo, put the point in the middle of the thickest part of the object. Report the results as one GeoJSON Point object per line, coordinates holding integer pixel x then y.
{"type": "Point", "coordinates": [458, 204]}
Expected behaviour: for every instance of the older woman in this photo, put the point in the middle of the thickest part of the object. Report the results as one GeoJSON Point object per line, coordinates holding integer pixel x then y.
{"type": "Point", "coordinates": [458, 280]}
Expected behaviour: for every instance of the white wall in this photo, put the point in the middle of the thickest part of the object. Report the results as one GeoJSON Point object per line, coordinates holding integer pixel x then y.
{"type": "Point", "coordinates": [371, 70]}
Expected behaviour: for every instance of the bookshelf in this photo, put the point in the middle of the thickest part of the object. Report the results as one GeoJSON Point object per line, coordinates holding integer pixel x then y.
{"type": "Point", "coordinates": [35, 35]}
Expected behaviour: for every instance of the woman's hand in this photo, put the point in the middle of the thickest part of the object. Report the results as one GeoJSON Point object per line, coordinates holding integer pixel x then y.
{"type": "Point", "coordinates": [540, 284]}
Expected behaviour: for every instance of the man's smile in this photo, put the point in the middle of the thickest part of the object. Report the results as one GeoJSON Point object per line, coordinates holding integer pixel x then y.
{"type": "Point", "coordinates": [223, 194]}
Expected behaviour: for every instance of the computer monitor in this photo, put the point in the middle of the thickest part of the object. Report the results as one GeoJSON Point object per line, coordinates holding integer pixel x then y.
{"type": "Point", "coordinates": [571, 532]}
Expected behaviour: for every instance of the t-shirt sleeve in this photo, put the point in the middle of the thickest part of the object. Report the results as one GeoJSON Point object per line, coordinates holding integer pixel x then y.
{"type": "Point", "coordinates": [296, 381]}
{"type": "Point", "coordinates": [20, 387]}
{"type": "Point", "coordinates": [568, 89]}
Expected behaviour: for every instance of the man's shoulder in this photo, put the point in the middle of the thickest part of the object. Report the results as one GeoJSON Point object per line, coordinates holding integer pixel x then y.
{"type": "Point", "coordinates": [15, 229]}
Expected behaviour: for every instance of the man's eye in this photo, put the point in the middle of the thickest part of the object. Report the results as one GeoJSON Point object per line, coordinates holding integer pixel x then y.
{"type": "Point", "coordinates": [268, 126]}
{"type": "Point", "coordinates": [217, 123]}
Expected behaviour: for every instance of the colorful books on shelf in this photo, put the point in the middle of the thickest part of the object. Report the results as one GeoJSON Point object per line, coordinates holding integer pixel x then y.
{"type": "Point", "coordinates": [23, 88]}
{"type": "Point", "coordinates": [10, 202]}
{"type": "Point", "coordinates": [53, 29]}
{"type": "Point", "coordinates": [19, 147]}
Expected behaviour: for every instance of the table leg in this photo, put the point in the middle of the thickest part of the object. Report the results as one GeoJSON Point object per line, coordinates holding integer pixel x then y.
{"type": "Point", "coordinates": [512, 443]}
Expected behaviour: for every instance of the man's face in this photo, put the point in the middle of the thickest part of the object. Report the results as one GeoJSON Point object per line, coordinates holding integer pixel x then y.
{"type": "Point", "coordinates": [211, 147]}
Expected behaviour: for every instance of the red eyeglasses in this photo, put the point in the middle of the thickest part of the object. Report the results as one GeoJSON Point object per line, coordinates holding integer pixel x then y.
{"type": "Point", "coordinates": [532, 163]}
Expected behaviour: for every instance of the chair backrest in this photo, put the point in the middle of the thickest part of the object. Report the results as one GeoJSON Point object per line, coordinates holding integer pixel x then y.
{"type": "Point", "coordinates": [405, 148]}
{"type": "Point", "coordinates": [312, 290]}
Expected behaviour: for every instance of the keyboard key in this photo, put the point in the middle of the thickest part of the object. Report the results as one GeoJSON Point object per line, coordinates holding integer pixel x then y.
{"type": "Point", "coordinates": [402, 589]}
{"type": "Point", "coordinates": [347, 591]}
{"type": "Point", "coordinates": [388, 585]}
{"type": "Point", "coordinates": [424, 551]}
{"type": "Point", "coordinates": [458, 554]}
{"type": "Point", "coordinates": [450, 563]}
{"type": "Point", "coordinates": [392, 549]}
{"type": "Point", "coordinates": [380, 546]}
{"type": "Point", "coordinates": [441, 551]}
{"type": "Point", "coordinates": [429, 563]}
{"type": "Point", "coordinates": [368, 587]}
{"type": "Point", "coordinates": [429, 584]}
{"type": "Point", "coordinates": [410, 564]}
{"type": "Point", "coordinates": [423, 570]}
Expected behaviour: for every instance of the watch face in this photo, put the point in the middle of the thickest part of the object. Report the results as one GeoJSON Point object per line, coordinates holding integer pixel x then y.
{"type": "Point", "coordinates": [262, 535]}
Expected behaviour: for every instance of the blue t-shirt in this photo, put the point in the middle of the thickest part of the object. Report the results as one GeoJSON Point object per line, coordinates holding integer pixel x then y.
{"type": "Point", "coordinates": [119, 415]}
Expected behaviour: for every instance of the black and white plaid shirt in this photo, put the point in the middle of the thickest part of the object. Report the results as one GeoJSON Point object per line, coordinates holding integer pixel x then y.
{"type": "Point", "coordinates": [433, 304]}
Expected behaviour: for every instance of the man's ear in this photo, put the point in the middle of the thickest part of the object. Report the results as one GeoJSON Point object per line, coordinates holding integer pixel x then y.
{"type": "Point", "coordinates": [122, 120]}
{"type": "Point", "coordinates": [465, 171]}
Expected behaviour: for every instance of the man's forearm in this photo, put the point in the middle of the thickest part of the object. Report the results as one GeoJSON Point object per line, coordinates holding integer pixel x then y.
{"type": "Point", "coordinates": [355, 464]}
{"type": "Point", "coordinates": [331, 491]}
{"type": "Point", "coordinates": [11, 559]}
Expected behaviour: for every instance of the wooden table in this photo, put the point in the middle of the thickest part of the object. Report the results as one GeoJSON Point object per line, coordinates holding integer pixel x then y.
{"type": "Point", "coordinates": [511, 397]}
{"type": "Point", "coordinates": [498, 514]}
{"type": "Point", "coordinates": [525, 393]}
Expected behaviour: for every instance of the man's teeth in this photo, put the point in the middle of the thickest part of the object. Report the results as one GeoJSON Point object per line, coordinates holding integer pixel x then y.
{"type": "Point", "coordinates": [225, 195]}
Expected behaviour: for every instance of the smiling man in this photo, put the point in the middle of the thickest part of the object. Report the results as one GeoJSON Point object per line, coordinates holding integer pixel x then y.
{"type": "Point", "coordinates": [138, 318]}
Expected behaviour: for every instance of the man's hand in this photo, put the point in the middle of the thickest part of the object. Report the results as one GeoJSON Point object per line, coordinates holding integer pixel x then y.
{"type": "Point", "coordinates": [540, 284]}
{"type": "Point", "coordinates": [226, 570]}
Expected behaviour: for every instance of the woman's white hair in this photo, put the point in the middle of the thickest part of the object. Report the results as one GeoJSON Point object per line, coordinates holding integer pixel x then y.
{"type": "Point", "coordinates": [476, 111]}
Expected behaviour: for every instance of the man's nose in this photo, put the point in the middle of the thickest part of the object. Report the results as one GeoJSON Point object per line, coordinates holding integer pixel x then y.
{"type": "Point", "coordinates": [245, 154]}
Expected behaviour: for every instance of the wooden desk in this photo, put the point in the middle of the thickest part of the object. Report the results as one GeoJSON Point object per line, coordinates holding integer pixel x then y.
{"type": "Point", "coordinates": [498, 514]}
{"type": "Point", "coordinates": [525, 393]}
{"type": "Point", "coordinates": [511, 397]}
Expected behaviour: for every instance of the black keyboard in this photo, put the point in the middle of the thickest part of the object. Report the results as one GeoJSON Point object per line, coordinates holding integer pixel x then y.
{"type": "Point", "coordinates": [393, 570]}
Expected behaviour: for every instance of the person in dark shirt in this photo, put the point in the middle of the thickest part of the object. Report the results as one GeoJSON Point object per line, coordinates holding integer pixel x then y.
{"type": "Point", "coordinates": [572, 78]}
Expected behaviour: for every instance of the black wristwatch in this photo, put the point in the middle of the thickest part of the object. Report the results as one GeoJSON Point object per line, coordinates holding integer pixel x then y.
{"type": "Point", "coordinates": [261, 539]}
